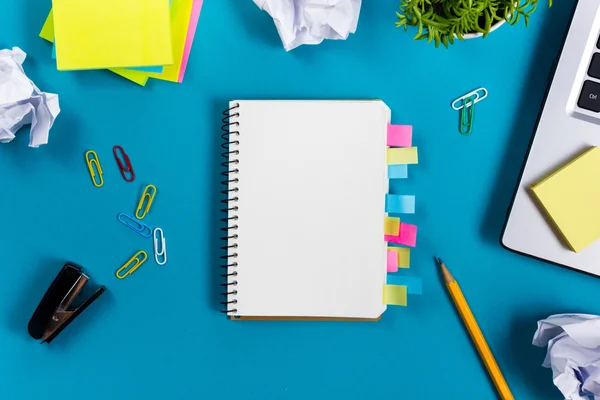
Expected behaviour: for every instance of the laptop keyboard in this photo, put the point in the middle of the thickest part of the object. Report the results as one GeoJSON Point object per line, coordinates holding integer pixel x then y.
{"type": "Point", "coordinates": [589, 99]}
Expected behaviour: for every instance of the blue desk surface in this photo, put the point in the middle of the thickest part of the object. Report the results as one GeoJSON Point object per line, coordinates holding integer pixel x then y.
{"type": "Point", "coordinates": [158, 334]}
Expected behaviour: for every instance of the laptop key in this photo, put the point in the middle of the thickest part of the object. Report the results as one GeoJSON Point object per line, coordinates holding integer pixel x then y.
{"type": "Point", "coordinates": [589, 98]}
{"type": "Point", "coordinates": [594, 69]}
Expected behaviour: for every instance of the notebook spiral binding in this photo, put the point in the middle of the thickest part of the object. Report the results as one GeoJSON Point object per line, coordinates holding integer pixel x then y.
{"type": "Point", "coordinates": [230, 145]}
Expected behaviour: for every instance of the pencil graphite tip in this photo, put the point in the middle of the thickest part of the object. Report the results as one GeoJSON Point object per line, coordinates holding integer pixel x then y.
{"type": "Point", "coordinates": [447, 275]}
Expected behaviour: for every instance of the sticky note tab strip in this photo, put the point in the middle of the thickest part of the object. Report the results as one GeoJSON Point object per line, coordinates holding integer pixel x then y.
{"type": "Point", "coordinates": [399, 135]}
{"type": "Point", "coordinates": [413, 284]}
{"type": "Point", "coordinates": [399, 171]}
{"type": "Point", "coordinates": [407, 237]}
{"type": "Point", "coordinates": [392, 261]}
{"type": "Point", "coordinates": [399, 204]}
{"type": "Point", "coordinates": [403, 256]}
{"type": "Point", "coordinates": [391, 226]}
{"type": "Point", "coordinates": [402, 155]}
{"type": "Point", "coordinates": [394, 295]}
{"type": "Point", "coordinates": [398, 156]}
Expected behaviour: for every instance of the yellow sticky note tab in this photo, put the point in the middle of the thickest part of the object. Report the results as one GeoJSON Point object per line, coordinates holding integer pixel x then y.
{"type": "Point", "coordinates": [570, 198]}
{"type": "Point", "coordinates": [112, 33]}
{"type": "Point", "coordinates": [180, 21]}
{"type": "Point", "coordinates": [391, 226]}
{"type": "Point", "coordinates": [394, 295]}
{"type": "Point", "coordinates": [403, 256]}
{"type": "Point", "coordinates": [402, 155]}
{"type": "Point", "coordinates": [138, 77]}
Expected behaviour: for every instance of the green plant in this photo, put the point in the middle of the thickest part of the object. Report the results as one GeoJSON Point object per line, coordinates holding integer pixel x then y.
{"type": "Point", "coordinates": [441, 21]}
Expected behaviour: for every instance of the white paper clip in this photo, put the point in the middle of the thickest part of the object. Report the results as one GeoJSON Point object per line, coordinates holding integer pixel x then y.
{"type": "Point", "coordinates": [163, 247]}
{"type": "Point", "coordinates": [479, 94]}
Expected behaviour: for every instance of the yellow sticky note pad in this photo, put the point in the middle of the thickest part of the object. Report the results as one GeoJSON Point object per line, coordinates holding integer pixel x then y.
{"type": "Point", "coordinates": [570, 198]}
{"type": "Point", "coordinates": [391, 226]}
{"type": "Point", "coordinates": [402, 155]}
{"type": "Point", "coordinates": [47, 32]}
{"type": "Point", "coordinates": [180, 21]}
{"type": "Point", "coordinates": [138, 77]}
{"type": "Point", "coordinates": [112, 33]}
{"type": "Point", "coordinates": [394, 295]}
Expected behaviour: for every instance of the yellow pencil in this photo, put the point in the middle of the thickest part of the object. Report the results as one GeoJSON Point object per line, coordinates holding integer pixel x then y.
{"type": "Point", "coordinates": [484, 351]}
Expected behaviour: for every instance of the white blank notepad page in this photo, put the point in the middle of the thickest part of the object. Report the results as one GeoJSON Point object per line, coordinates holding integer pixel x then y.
{"type": "Point", "coordinates": [312, 185]}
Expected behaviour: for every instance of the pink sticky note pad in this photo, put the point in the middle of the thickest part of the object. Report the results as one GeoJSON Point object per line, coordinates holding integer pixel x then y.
{"type": "Point", "coordinates": [196, 7]}
{"type": "Point", "coordinates": [399, 135]}
{"type": "Point", "coordinates": [407, 237]}
{"type": "Point", "coordinates": [392, 261]}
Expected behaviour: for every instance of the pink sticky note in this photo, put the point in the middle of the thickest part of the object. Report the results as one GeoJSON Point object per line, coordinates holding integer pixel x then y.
{"type": "Point", "coordinates": [392, 261]}
{"type": "Point", "coordinates": [399, 135]}
{"type": "Point", "coordinates": [196, 7]}
{"type": "Point", "coordinates": [407, 237]}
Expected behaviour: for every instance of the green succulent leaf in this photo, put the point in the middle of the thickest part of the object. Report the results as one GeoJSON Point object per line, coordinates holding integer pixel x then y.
{"type": "Point", "coordinates": [442, 21]}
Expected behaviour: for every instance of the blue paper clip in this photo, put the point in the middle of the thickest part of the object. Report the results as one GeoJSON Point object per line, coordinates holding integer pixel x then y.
{"type": "Point", "coordinates": [136, 225]}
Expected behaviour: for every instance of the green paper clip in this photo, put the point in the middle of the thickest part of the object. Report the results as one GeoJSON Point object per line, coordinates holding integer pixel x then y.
{"type": "Point", "coordinates": [467, 116]}
{"type": "Point", "coordinates": [466, 106]}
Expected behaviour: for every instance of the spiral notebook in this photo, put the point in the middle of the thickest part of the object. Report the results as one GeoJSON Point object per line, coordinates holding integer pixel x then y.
{"type": "Point", "coordinates": [305, 208]}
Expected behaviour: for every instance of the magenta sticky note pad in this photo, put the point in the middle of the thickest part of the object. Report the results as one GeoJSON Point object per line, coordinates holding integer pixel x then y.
{"type": "Point", "coordinates": [392, 261]}
{"type": "Point", "coordinates": [399, 135]}
{"type": "Point", "coordinates": [407, 236]}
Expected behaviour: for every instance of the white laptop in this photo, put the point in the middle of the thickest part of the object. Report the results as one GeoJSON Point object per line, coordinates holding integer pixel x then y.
{"type": "Point", "coordinates": [569, 123]}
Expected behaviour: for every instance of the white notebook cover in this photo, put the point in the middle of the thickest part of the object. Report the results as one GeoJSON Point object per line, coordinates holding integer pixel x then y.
{"type": "Point", "coordinates": [310, 178]}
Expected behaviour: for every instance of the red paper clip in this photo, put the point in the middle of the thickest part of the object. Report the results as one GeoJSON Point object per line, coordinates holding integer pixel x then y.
{"type": "Point", "coordinates": [127, 168]}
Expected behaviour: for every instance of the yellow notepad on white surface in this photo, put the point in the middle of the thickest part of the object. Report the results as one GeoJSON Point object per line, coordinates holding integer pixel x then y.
{"type": "Point", "coordinates": [571, 198]}
{"type": "Point", "coordinates": [112, 33]}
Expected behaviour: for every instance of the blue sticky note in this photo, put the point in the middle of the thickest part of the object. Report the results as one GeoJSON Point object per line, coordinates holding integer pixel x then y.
{"type": "Point", "coordinates": [157, 69]}
{"type": "Point", "coordinates": [398, 171]}
{"type": "Point", "coordinates": [399, 204]}
{"type": "Point", "coordinates": [413, 284]}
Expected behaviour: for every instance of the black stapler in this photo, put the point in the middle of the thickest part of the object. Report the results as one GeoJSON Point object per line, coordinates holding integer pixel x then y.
{"type": "Point", "coordinates": [58, 307]}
